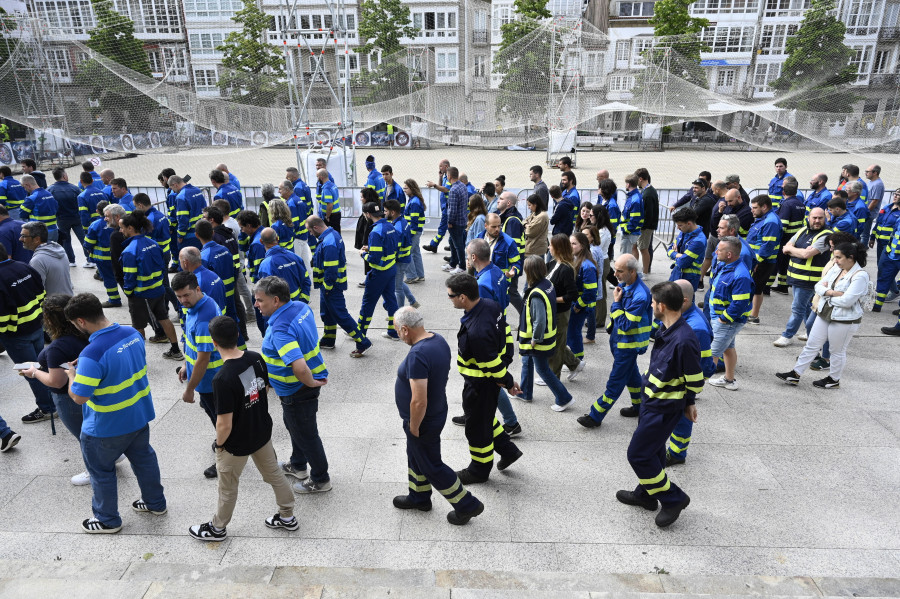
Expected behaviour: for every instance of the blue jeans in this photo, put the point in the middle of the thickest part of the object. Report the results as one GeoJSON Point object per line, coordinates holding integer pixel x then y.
{"type": "Point", "coordinates": [25, 347]}
{"type": "Point", "coordinates": [506, 409]}
{"type": "Point", "coordinates": [69, 412]}
{"type": "Point", "coordinates": [4, 428]}
{"type": "Point", "coordinates": [66, 228]}
{"type": "Point", "coordinates": [541, 363]}
{"type": "Point", "coordinates": [15, 213]}
{"type": "Point", "coordinates": [100, 455]}
{"type": "Point", "coordinates": [53, 235]}
{"type": "Point", "coordinates": [299, 412]}
{"type": "Point", "coordinates": [457, 246]}
{"type": "Point", "coordinates": [401, 289]}
{"type": "Point", "coordinates": [417, 269]}
{"type": "Point", "coordinates": [800, 308]}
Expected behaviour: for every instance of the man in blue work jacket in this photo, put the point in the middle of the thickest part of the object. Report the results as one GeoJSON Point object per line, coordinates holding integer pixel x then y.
{"type": "Point", "coordinates": [483, 355]}
{"type": "Point", "coordinates": [297, 373]}
{"type": "Point", "coordinates": [688, 249]}
{"type": "Point", "coordinates": [670, 385]}
{"type": "Point", "coordinates": [676, 452]}
{"type": "Point", "coordinates": [630, 322]}
{"type": "Point", "coordinates": [764, 238]}
{"type": "Point", "coordinates": [776, 192]}
{"type": "Point", "coordinates": [381, 254]}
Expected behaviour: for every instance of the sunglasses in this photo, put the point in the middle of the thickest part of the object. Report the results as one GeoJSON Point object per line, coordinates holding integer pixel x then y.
{"type": "Point", "coordinates": [453, 295]}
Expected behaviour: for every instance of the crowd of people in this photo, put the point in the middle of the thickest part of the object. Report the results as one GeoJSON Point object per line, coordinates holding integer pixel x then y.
{"type": "Point", "coordinates": [232, 266]}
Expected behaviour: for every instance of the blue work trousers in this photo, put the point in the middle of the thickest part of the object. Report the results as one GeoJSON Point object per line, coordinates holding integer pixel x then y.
{"type": "Point", "coordinates": [379, 285]}
{"type": "Point", "coordinates": [333, 311]}
{"type": "Point", "coordinates": [647, 457]}
{"type": "Point", "coordinates": [624, 373]}
{"type": "Point", "coordinates": [427, 469]}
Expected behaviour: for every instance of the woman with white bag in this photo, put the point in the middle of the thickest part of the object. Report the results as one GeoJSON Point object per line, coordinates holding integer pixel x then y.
{"type": "Point", "coordinates": [838, 307]}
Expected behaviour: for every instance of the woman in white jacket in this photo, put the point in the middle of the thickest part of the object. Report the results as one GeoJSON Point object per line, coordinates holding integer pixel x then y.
{"type": "Point", "coordinates": [839, 312]}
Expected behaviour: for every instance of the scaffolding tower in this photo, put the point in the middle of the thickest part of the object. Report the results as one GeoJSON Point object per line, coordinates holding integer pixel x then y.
{"type": "Point", "coordinates": [564, 106]}
{"type": "Point", "coordinates": [655, 91]}
{"type": "Point", "coordinates": [315, 73]}
{"type": "Point", "coordinates": [36, 86]}
{"type": "Point", "coordinates": [417, 68]}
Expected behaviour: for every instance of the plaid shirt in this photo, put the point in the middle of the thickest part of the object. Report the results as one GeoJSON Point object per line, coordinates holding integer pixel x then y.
{"type": "Point", "coordinates": [458, 205]}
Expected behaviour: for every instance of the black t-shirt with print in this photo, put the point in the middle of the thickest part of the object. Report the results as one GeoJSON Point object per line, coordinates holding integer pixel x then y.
{"type": "Point", "coordinates": [239, 388]}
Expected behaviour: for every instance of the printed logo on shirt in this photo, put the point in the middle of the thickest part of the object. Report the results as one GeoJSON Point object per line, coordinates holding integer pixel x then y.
{"type": "Point", "coordinates": [252, 386]}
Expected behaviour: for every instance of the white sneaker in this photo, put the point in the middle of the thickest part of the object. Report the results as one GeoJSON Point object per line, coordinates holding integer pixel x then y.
{"type": "Point", "coordinates": [80, 480]}
{"type": "Point", "coordinates": [539, 382]}
{"type": "Point", "coordinates": [92, 265]}
{"type": "Point", "coordinates": [721, 382]}
{"type": "Point", "coordinates": [456, 271]}
{"type": "Point", "coordinates": [72, 264]}
{"type": "Point", "coordinates": [446, 268]}
{"type": "Point", "coordinates": [562, 408]}
{"type": "Point", "coordinates": [802, 337]}
{"type": "Point", "coordinates": [574, 374]}
{"type": "Point", "coordinates": [781, 342]}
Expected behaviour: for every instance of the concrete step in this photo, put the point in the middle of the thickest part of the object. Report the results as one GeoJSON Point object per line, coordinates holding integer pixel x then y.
{"type": "Point", "coordinates": [148, 579]}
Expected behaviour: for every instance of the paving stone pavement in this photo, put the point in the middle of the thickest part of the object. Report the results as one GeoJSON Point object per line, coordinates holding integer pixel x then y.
{"type": "Point", "coordinates": [785, 482]}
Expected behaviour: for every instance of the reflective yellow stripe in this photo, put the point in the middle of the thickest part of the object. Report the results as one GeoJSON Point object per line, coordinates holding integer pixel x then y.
{"type": "Point", "coordinates": [121, 386]}
{"type": "Point", "coordinates": [121, 405]}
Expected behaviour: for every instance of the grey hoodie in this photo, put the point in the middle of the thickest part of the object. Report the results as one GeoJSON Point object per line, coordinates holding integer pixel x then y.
{"type": "Point", "coordinates": [52, 264]}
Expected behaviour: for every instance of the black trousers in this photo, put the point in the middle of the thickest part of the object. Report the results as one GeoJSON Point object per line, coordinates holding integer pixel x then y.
{"type": "Point", "coordinates": [484, 432]}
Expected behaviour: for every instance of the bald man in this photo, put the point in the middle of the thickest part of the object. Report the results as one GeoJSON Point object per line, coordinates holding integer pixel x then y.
{"type": "Point", "coordinates": [602, 175]}
{"type": "Point", "coordinates": [191, 260]}
{"type": "Point", "coordinates": [106, 176]}
{"type": "Point", "coordinates": [231, 178]}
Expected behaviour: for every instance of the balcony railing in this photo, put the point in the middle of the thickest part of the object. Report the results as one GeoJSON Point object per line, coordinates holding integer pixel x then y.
{"type": "Point", "coordinates": [884, 81]}
{"type": "Point", "coordinates": [891, 34]}
{"type": "Point", "coordinates": [480, 37]}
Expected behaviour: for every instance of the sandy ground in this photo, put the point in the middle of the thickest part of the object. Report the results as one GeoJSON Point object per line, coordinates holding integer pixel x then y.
{"type": "Point", "coordinates": [669, 169]}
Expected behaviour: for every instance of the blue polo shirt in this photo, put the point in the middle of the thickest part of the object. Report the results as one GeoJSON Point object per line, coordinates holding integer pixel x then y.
{"type": "Point", "coordinates": [291, 336]}
{"type": "Point", "coordinates": [112, 372]}
{"type": "Point", "coordinates": [198, 339]}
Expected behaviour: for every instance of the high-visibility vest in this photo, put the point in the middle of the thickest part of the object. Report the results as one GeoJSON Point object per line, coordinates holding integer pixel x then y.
{"type": "Point", "coordinates": [543, 290]}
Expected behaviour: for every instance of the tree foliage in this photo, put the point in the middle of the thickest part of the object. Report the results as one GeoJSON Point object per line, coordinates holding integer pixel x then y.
{"type": "Point", "coordinates": [253, 69]}
{"type": "Point", "coordinates": [524, 58]}
{"type": "Point", "coordinates": [113, 38]}
{"type": "Point", "coordinates": [382, 24]}
{"type": "Point", "coordinates": [672, 20]}
{"type": "Point", "coordinates": [8, 43]}
{"type": "Point", "coordinates": [817, 72]}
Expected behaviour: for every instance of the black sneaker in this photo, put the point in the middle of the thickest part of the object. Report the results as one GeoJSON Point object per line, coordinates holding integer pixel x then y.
{"type": "Point", "coordinates": [138, 505]}
{"type": "Point", "coordinates": [97, 276]}
{"type": "Point", "coordinates": [876, 308]}
{"type": "Point", "coordinates": [446, 258]}
{"type": "Point", "coordinates": [37, 416]}
{"type": "Point", "coordinates": [629, 498]}
{"type": "Point", "coordinates": [467, 478]}
{"type": "Point", "coordinates": [446, 248]}
{"type": "Point", "coordinates": [820, 363]}
{"type": "Point", "coordinates": [827, 383]}
{"type": "Point", "coordinates": [9, 441]}
{"type": "Point", "coordinates": [791, 378]}
{"type": "Point", "coordinates": [205, 532]}
{"type": "Point", "coordinates": [894, 330]}
{"type": "Point", "coordinates": [513, 431]}
{"type": "Point", "coordinates": [668, 515]}
{"type": "Point", "coordinates": [507, 461]}
{"type": "Point", "coordinates": [896, 312]}
{"type": "Point", "coordinates": [458, 519]}
{"type": "Point", "coordinates": [211, 472]}
{"type": "Point", "coordinates": [672, 460]}
{"type": "Point", "coordinates": [753, 319]}
{"type": "Point", "coordinates": [108, 304]}
{"type": "Point", "coordinates": [630, 411]}
{"type": "Point", "coordinates": [587, 422]}
{"type": "Point", "coordinates": [158, 339]}
{"type": "Point", "coordinates": [403, 502]}
{"type": "Point", "coordinates": [173, 354]}
{"type": "Point", "coordinates": [326, 345]}
{"type": "Point", "coordinates": [781, 290]}
{"type": "Point", "coordinates": [430, 248]}
{"type": "Point", "coordinates": [700, 286]}
{"type": "Point", "coordinates": [277, 521]}
{"type": "Point", "coordinates": [461, 421]}
{"type": "Point", "coordinates": [94, 526]}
